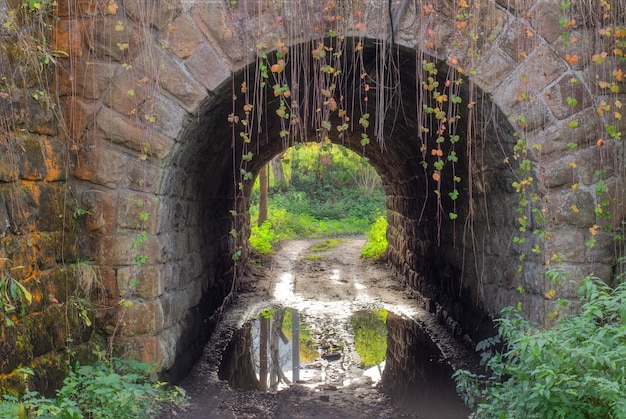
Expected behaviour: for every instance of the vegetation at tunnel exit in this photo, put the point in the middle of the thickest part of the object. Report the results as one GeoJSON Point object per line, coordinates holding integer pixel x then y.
{"type": "Point", "coordinates": [576, 369]}
{"type": "Point", "coordinates": [319, 191]}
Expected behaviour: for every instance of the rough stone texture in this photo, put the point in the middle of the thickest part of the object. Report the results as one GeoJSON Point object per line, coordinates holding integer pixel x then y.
{"type": "Point", "coordinates": [146, 120]}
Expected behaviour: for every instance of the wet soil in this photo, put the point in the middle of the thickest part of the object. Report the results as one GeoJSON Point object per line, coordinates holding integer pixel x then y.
{"type": "Point", "coordinates": [327, 288]}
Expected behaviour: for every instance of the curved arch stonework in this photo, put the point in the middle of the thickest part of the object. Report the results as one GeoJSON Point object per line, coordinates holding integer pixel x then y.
{"type": "Point", "coordinates": [147, 96]}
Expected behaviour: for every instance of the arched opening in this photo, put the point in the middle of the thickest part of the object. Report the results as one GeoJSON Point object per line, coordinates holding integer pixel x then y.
{"type": "Point", "coordinates": [452, 263]}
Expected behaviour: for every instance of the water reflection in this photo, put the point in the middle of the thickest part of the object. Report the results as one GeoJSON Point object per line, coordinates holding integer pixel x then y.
{"type": "Point", "coordinates": [265, 354]}
{"type": "Point", "coordinates": [415, 375]}
{"type": "Point", "coordinates": [276, 349]}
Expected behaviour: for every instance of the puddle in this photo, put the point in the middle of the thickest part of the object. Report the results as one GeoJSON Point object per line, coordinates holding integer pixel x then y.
{"type": "Point", "coordinates": [376, 348]}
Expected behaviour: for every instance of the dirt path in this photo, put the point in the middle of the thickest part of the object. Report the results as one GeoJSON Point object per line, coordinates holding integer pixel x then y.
{"type": "Point", "coordinates": [327, 288]}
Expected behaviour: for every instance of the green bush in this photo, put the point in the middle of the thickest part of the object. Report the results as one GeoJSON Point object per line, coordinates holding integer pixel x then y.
{"type": "Point", "coordinates": [576, 369]}
{"type": "Point", "coordinates": [376, 244]}
{"type": "Point", "coordinates": [118, 389]}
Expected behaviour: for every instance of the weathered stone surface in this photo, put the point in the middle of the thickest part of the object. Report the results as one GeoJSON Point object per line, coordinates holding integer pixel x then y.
{"type": "Point", "coordinates": [126, 95]}
{"type": "Point", "coordinates": [132, 208]}
{"type": "Point", "coordinates": [118, 250]}
{"type": "Point", "coordinates": [139, 137]}
{"type": "Point", "coordinates": [143, 282]}
{"type": "Point", "coordinates": [156, 13]}
{"type": "Point", "coordinates": [518, 41]}
{"type": "Point", "coordinates": [55, 159]}
{"type": "Point", "coordinates": [144, 348]}
{"type": "Point", "coordinates": [31, 160]}
{"type": "Point", "coordinates": [492, 69]}
{"type": "Point", "coordinates": [89, 79]}
{"type": "Point", "coordinates": [169, 118]}
{"type": "Point", "coordinates": [113, 38]}
{"type": "Point", "coordinates": [567, 97]}
{"type": "Point", "coordinates": [100, 167]}
{"type": "Point", "coordinates": [143, 176]}
{"type": "Point", "coordinates": [101, 211]}
{"type": "Point", "coordinates": [207, 67]}
{"type": "Point", "coordinates": [172, 76]}
{"type": "Point", "coordinates": [182, 38]}
{"type": "Point", "coordinates": [143, 318]}
{"type": "Point", "coordinates": [531, 77]}
{"type": "Point", "coordinates": [67, 38]}
{"type": "Point", "coordinates": [546, 19]}
{"type": "Point", "coordinates": [560, 210]}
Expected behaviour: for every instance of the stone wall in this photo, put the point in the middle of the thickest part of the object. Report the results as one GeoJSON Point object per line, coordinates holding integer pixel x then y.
{"type": "Point", "coordinates": [40, 222]}
{"type": "Point", "coordinates": [146, 89]}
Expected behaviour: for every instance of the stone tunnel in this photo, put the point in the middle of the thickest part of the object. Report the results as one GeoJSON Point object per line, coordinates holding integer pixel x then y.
{"type": "Point", "coordinates": [149, 91]}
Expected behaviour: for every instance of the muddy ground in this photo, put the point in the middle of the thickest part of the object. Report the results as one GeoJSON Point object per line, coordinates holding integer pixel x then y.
{"type": "Point", "coordinates": [327, 288]}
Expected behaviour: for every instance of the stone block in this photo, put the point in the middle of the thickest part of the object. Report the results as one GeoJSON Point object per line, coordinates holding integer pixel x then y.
{"type": "Point", "coordinates": [143, 282]}
{"type": "Point", "coordinates": [55, 159]}
{"type": "Point", "coordinates": [144, 176]}
{"type": "Point", "coordinates": [170, 118]}
{"type": "Point", "coordinates": [560, 211]}
{"type": "Point", "coordinates": [126, 95]}
{"type": "Point", "coordinates": [540, 69]}
{"type": "Point", "coordinates": [52, 208]}
{"type": "Point", "coordinates": [77, 114]}
{"type": "Point", "coordinates": [100, 165]}
{"type": "Point", "coordinates": [101, 211]}
{"type": "Point", "coordinates": [566, 98]}
{"type": "Point", "coordinates": [30, 155]}
{"type": "Point", "coordinates": [89, 79]}
{"type": "Point", "coordinates": [518, 41]}
{"type": "Point", "coordinates": [208, 67]}
{"type": "Point", "coordinates": [182, 37]}
{"type": "Point", "coordinates": [81, 8]}
{"type": "Point", "coordinates": [113, 38]}
{"type": "Point", "coordinates": [156, 13]}
{"type": "Point", "coordinates": [492, 69]}
{"type": "Point", "coordinates": [121, 250]}
{"type": "Point", "coordinates": [568, 243]}
{"type": "Point", "coordinates": [132, 134]}
{"type": "Point", "coordinates": [67, 38]}
{"type": "Point", "coordinates": [132, 207]}
{"type": "Point", "coordinates": [143, 318]}
{"type": "Point", "coordinates": [556, 137]}
{"type": "Point", "coordinates": [143, 348]}
{"type": "Point", "coordinates": [545, 19]}
{"type": "Point", "coordinates": [172, 76]}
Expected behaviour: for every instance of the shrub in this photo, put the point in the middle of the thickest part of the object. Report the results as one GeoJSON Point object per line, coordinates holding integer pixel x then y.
{"type": "Point", "coordinates": [376, 244]}
{"type": "Point", "coordinates": [576, 369]}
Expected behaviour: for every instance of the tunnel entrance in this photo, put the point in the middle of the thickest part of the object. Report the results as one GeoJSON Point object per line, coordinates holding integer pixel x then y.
{"type": "Point", "coordinates": [441, 223]}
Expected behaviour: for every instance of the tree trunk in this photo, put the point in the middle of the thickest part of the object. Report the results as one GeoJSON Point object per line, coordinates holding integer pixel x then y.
{"type": "Point", "coordinates": [263, 186]}
{"type": "Point", "coordinates": [277, 171]}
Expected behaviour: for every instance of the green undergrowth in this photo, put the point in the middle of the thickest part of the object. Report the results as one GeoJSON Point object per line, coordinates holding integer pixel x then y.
{"type": "Point", "coordinates": [376, 245]}
{"type": "Point", "coordinates": [118, 389]}
{"type": "Point", "coordinates": [577, 369]}
{"type": "Point", "coordinates": [283, 225]}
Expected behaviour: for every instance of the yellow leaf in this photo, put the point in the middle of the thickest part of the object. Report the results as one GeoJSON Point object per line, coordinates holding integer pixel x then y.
{"type": "Point", "coordinates": [575, 209]}
{"type": "Point", "coordinates": [112, 7]}
{"type": "Point", "coordinates": [604, 85]}
{"type": "Point", "coordinates": [618, 115]}
{"type": "Point", "coordinates": [550, 294]}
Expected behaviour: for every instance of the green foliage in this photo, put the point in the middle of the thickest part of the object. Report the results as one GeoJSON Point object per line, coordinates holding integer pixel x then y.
{"type": "Point", "coordinates": [376, 244]}
{"type": "Point", "coordinates": [328, 191]}
{"type": "Point", "coordinates": [13, 297]}
{"type": "Point", "coordinates": [575, 370]}
{"type": "Point", "coordinates": [116, 389]}
{"type": "Point", "coordinates": [262, 237]}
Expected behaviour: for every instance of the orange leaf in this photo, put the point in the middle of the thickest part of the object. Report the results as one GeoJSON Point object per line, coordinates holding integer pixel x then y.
{"type": "Point", "coordinates": [436, 176]}
{"type": "Point", "coordinates": [571, 58]}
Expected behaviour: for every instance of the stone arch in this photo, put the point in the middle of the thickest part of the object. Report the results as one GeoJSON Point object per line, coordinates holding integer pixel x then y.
{"type": "Point", "coordinates": [178, 169]}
